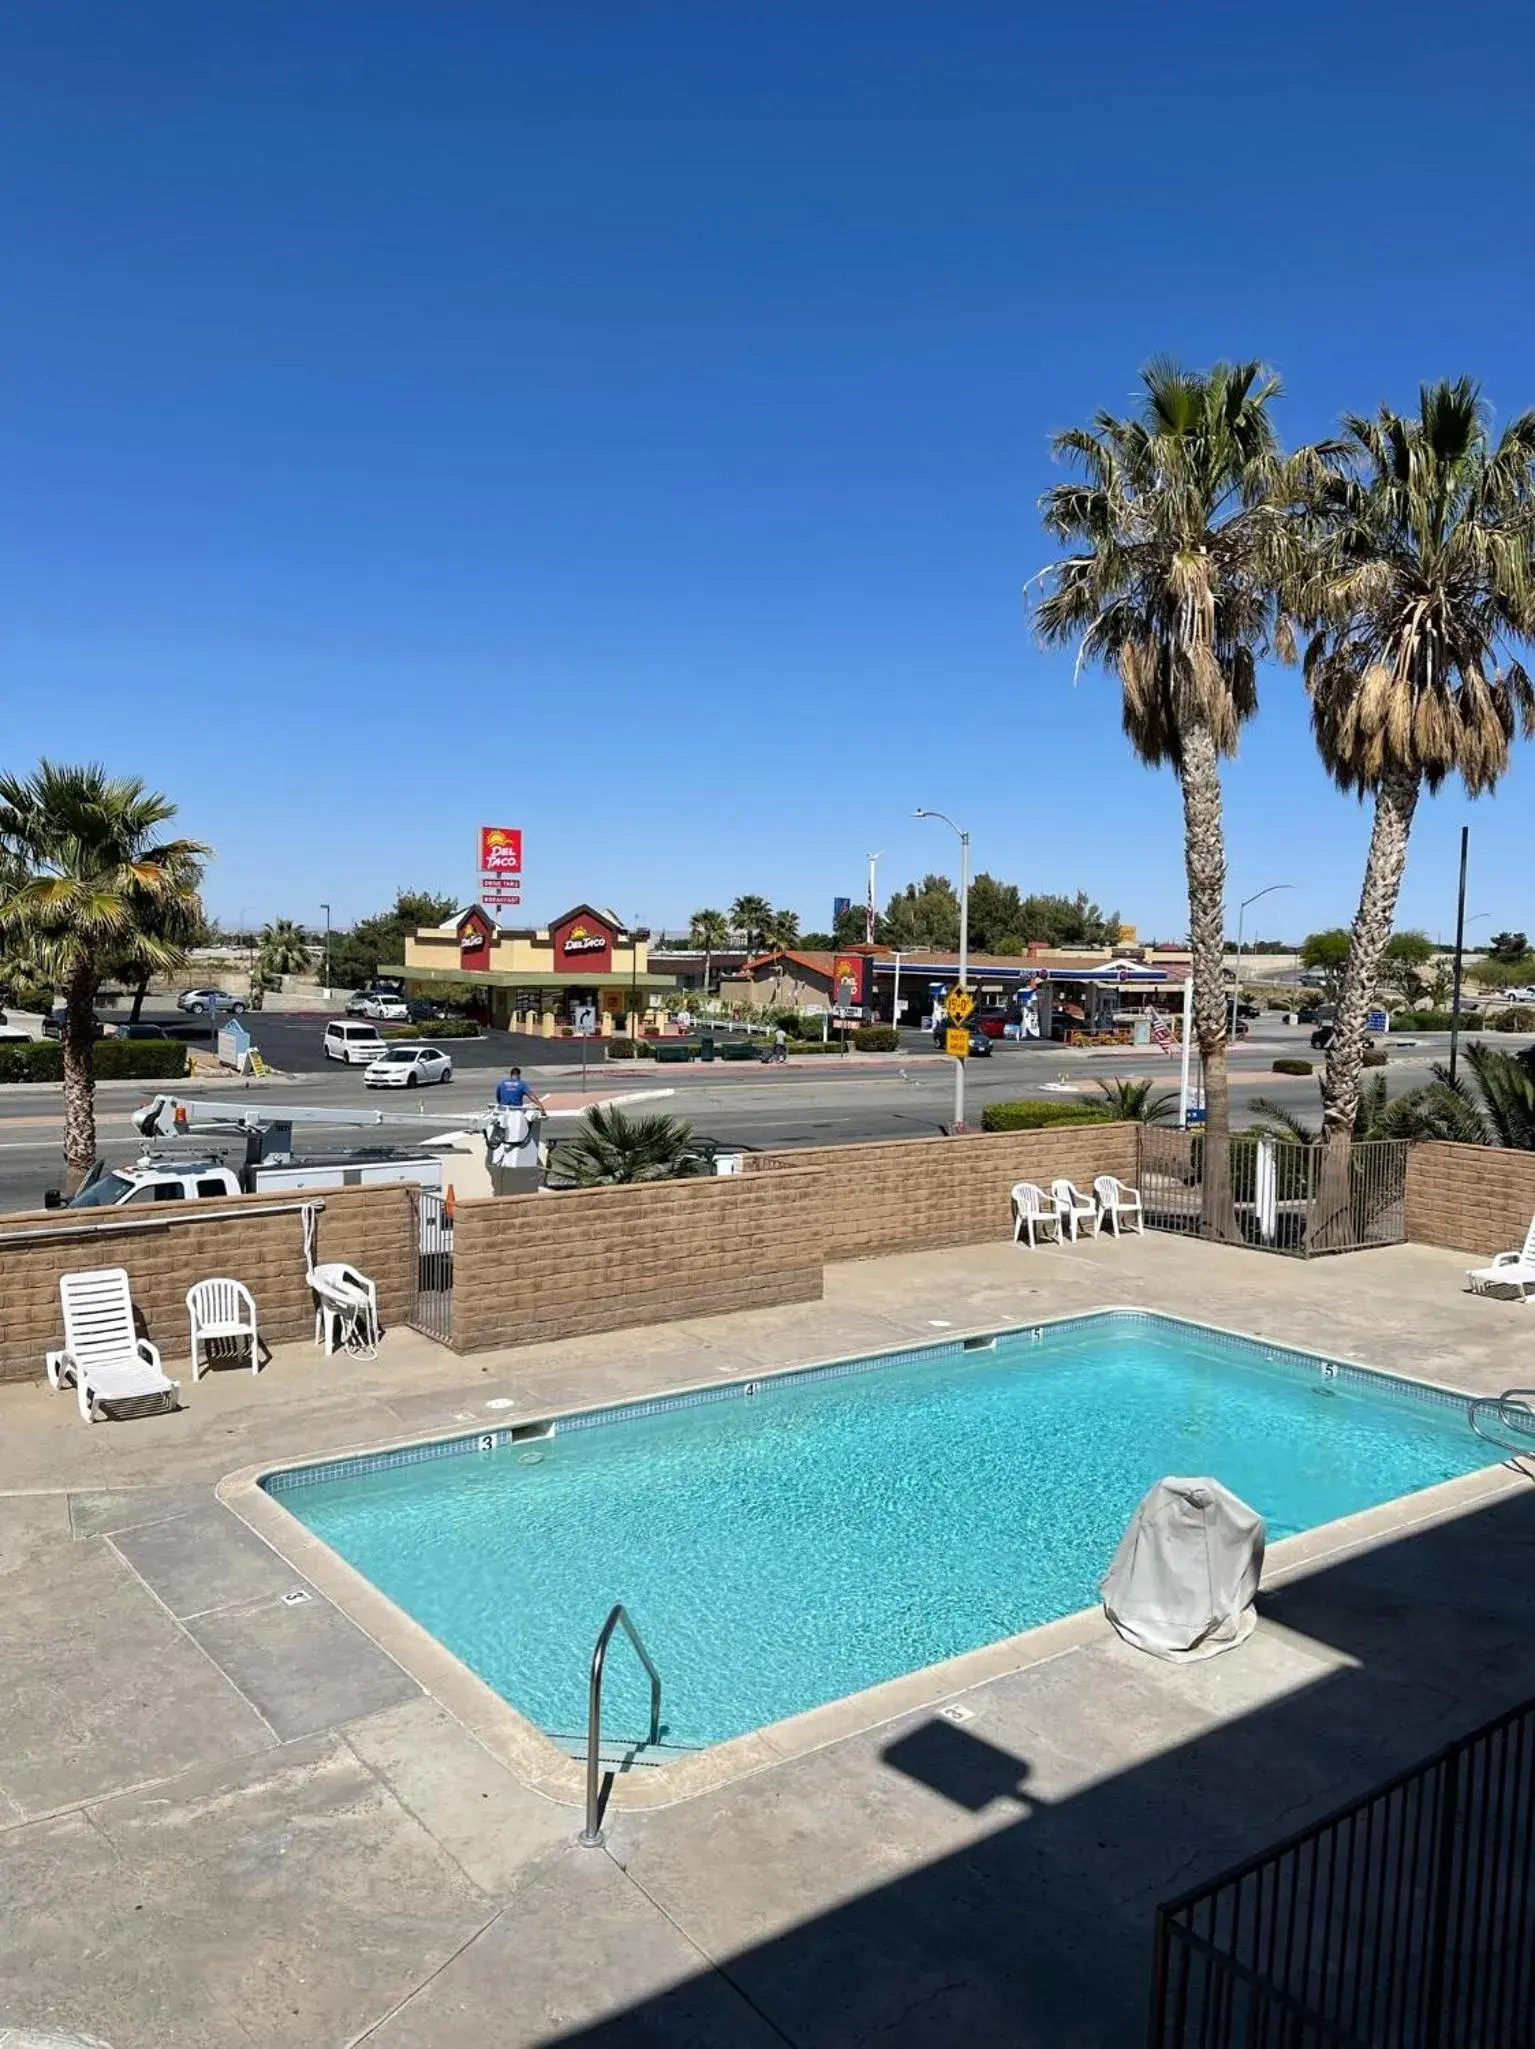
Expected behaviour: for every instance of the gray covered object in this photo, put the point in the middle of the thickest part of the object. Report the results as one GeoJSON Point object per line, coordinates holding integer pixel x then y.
{"type": "Point", "coordinates": [1183, 1580]}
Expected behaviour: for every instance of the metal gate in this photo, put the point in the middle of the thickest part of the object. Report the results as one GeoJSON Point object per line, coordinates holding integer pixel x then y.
{"type": "Point", "coordinates": [1275, 1193]}
{"type": "Point", "coordinates": [1405, 1920]}
{"type": "Point", "coordinates": [431, 1302]}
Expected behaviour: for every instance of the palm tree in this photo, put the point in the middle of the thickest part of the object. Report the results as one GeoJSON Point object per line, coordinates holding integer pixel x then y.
{"type": "Point", "coordinates": [609, 1147]}
{"type": "Point", "coordinates": [1499, 1110]}
{"type": "Point", "coordinates": [177, 920]}
{"type": "Point", "coordinates": [748, 914]}
{"type": "Point", "coordinates": [1181, 539]}
{"type": "Point", "coordinates": [780, 929]}
{"type": "Point", "coordinates": [709, 931]}
{"type": "Point", "coordinates": [1136, 1101]}
{"type": "Point", "coordinates": [1417, 584]}
{"type": "Point", "coordinates": [284, 948]}
{"type": "Point", "coordinates": [93, 885]}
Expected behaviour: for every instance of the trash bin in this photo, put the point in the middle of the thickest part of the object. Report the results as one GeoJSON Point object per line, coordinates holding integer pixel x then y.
{"type": "Point", "coordinates": [706, 1045]}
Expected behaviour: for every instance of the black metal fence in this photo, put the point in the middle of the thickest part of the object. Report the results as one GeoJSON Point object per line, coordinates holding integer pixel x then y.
{"type": "Point", "coordinates": [431, 1304]}
{"type": "Point", "coordinates": [1403, 1921]}
{"type": "Point", "coordinates": [1275, 1193]}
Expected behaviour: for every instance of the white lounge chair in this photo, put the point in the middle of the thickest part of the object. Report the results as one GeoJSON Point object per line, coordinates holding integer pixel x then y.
{"type": "Point", "coordinates": [1074, 1208]}
{"type": "Point", "coordinates": [222, 1309]}
{"type": "Point", "coordinates": [1032, 1212]}
{"type": "Point", "coordinates": [1119, 1204]}
{"type": "Point", "coordinates": [346, 1308]}
{"type": "Point", "coordinates": [1513, 1270]}
{"type": "Point", "coordinates": [103, 1353]}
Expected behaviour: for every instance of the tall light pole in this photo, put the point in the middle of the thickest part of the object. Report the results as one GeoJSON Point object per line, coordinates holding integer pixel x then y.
{"type": "Point", "coordinates": [964, 945]}
{"type": "Point", "coordinates": [1460, 953]}
{"type": "Point", "coordinates": [868, 915]}
{"type": "Point", "coordinates": [326, 909]}
{"type": "Point", "coordinates": [1236, 985]}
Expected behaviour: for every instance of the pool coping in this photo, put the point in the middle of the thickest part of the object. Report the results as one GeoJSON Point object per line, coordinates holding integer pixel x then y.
{"type": "Point", "coordinates": [544, 1768]}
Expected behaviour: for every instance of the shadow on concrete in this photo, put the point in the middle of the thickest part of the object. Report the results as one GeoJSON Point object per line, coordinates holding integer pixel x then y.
{"type": "Point", "coordinates": [1038, 1934]}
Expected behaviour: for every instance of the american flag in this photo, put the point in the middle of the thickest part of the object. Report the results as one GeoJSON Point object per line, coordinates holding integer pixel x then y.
{"type": "Point", "coordinates": [1162, 1032]}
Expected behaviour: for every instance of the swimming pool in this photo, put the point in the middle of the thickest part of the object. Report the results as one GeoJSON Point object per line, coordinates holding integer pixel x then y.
{"type": "Point", "coordinates": [786, 1541]}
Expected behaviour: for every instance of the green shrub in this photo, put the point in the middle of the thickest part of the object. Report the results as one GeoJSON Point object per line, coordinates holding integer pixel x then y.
{"type": "Point", "coordinates": [876, 1038]}
{"type": "Point", "coordinates": [815, 1046]}
{"type": "Point", "coordinates": [619, 1048]}
{"type": "Point", "coordinates": [1375, 1058]}
{"type": "Point", "coordinates": [1038, 1114]}
{"type": "Point", "coordinates": [434, 1028]}
{"type": "Point", "coordinates": [1520, 1017]}
{"type": "Point", "coordinates": [1428, 1021]}
{"type": "Point", "coordinates": [1294, 1066]}
{"type": "Point", "coordinates": [114, 1060]}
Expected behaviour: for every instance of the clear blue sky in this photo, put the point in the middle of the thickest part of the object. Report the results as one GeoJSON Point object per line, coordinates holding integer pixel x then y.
{"type": "Point", "coordinates": [625, 419]}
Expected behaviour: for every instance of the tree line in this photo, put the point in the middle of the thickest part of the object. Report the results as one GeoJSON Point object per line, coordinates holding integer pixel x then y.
{"type": "Point", "coordinates": [1392, 563]}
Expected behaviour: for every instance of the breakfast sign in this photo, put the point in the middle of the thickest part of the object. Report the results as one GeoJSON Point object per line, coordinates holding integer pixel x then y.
{"type": "Point", "coordinates": [500, 864]}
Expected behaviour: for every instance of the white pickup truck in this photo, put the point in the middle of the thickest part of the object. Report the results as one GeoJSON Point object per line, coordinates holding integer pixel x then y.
{"type": "Point", "coordinates": [163, 1179]}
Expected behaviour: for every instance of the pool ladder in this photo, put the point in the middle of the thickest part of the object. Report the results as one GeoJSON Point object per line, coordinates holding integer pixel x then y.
{"type": "Point", "coordinates": [1513, 1411]}
{"type": "Point", "coordinates": [591, 1836]}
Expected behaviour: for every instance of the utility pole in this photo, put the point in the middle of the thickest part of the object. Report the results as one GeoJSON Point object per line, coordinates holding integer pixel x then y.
{"type": "Point", "coordinates": [1460, 952]}
{"type": "Point", "coordinates": [964, 948]}
{"type": "Point", "coordinates": [326, 909]}
{"type": "Point", "coordinates": [868, 915]}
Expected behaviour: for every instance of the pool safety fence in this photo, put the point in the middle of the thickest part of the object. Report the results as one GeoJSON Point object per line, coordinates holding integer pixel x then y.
{"type": "Point", "coordinates": [1277, 1194]}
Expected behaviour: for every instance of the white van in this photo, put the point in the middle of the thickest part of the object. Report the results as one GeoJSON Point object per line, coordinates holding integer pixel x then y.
{"type": "Point", "coordinates": [356, 1044]}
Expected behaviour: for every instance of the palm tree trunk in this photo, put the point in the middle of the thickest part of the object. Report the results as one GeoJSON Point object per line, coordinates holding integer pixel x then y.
{"type": "Point", "coordinates": [1204, 856]}
{"type": "Point", "coordinates": [76, 1038]}
{"type": "Point", "coordinates": [1396, 799]}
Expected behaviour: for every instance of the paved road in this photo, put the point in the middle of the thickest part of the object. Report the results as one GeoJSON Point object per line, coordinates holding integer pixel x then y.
{"type": "Point", "coordinates": [790, 1106]}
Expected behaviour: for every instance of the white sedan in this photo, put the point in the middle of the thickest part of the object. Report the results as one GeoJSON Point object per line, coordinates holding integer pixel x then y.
{"type": "Point", "coordinates": [407, 1067]}
{"type": "Point", "coordinates": [387, 1009]}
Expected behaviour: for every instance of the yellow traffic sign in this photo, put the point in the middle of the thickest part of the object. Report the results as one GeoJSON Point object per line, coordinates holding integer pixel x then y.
{"type": "Point", "coordinates": [960, 1005]}
{"type": "Point", "coordinates": [956, 1042]}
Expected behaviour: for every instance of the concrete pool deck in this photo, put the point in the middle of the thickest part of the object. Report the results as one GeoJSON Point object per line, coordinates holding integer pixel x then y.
{"type": "Point", "coordinates": [229, 1818]}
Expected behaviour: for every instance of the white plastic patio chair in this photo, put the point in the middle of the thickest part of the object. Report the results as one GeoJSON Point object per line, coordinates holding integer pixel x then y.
{"type": "Point", "coordinates": [103, 1353]}
{"type": "Point", "coordinates": [346, 1308]}
{"type": "Point", "coordinates": [1119, 1204]}
{"type": "Point", "coordinates": [222, 1309]}
{"type": "Point", "coordinates": [1074, 1208]}
{"type": "Point", "coordinates": [1513, 1270]}
{"type": "Point", "coordinates": [1033, 1212]}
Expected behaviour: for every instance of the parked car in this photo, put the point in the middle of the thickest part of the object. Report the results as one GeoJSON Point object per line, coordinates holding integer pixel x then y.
{"type": "Point", "coordinates": [388, 1008]}
{"type": "Point", "coordinates": [140, 1031]}
{"type": "Point", "coordinates": [53, 1024]}
{"type": "Point", "coordinates": [980, 1043]}
{"type": "Point", "coordinates": [1322, 1038]}
{"type": "Point", "coordinates": [408, 1067]}
{"type": "Point", "coordinates": [356, 1044]}
{"type": "Point", "coordinates": [1520, 995]}
{"type": "Point", "coordinates": [1245, 1009]}
{"type": "Point", "coordinates": [200, 1002]}
{"type": "Point", "coordinates": [423, 1012]}
{"type": "Point", "coordinates": [993, 1023]}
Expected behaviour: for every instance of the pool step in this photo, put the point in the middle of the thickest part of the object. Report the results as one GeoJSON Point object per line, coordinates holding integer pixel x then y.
{"type": "Point", "coordinates": [619, 1756]}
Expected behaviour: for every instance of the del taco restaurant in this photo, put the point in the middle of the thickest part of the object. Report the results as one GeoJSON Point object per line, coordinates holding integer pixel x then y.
{"type": "Point", "coordinates": [584, 971]}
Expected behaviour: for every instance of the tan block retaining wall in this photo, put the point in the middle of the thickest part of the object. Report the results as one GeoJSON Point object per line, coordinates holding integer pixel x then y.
{"type": "Point", "coordinates": [1471, 1198]}
{"type": "Point", "coordinates": [527, 1267]}
{"type": "Point", "coordinates": [908, 1194]}
{"type": "Point", "coordinates": [371, 1228]}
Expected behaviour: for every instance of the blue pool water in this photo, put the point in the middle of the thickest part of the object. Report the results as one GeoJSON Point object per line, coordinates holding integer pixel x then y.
{"type": "Point", "coordinates": [781, 1549]}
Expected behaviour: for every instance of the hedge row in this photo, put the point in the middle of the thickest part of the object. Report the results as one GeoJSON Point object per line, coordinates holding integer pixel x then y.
{"type": "Point", "coordinates": [434, 1028]}
{"type": "Point", "coordinates": [1295, 1067]}
{"type": "Point", "coordinates": [112, 1059]}
{"type": "Point", "coordinates": [1038, 1114]}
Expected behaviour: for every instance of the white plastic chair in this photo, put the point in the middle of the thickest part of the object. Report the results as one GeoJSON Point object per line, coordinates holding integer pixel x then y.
{"type": "Point", "coordinates": [346, 1308]}
{"type": "Point", "coordinates": [222, 1309]}
{"type": "Point", "coordinates": [1118, 1204]}
{"type": "Point", "coordinates": [1515, 1270]}
{"type": "Point", "coordinates": [103, 1353]}
{"type": "Point", "coordinates": [1074, 1208]}
{"type": "Point", "coordinates": [1033, 1212]}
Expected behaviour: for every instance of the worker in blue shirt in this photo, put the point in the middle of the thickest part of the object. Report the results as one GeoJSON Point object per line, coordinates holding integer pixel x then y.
{"type": "Point", "coordinates": [512, 1093]}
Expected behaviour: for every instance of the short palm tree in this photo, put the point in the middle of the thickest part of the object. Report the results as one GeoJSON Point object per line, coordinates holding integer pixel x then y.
{"type": "Point", "coordinates": [780, 929]}
{"type": "Point", "coordinates": [748, 915]}
{"type": "Point", "coordinates": [90, 883]}
{"type": "Point", "coordinates": [1179, 543]}
{"type": "Point", "coordinates": [1416, 590]}
{"type": "Point", "coordinates": [1134, 1101]}
{"type": "Point", "coordinates": [709, 931]}
{"type": "Point", "coordinates": [284, 948]}
{"type": "Point", "coordinates": [1496, 1107]}
{"type": "Point", "coordinates": [610, 1147]}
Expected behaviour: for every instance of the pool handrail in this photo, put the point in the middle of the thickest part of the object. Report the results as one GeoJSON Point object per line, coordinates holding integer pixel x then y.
{"type": "Point", "coordinates": [591, 1836]}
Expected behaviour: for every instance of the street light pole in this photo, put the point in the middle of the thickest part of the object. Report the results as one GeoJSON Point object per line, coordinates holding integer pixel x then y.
{"type": "Point", "coordinates": [868, 916]}
{"type": "Point", "coordinates": [964, 948]}
{"type": "Point", "coordinates": [326, 909]}
{"type": "Point", "coordinates": [1236, 985]}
